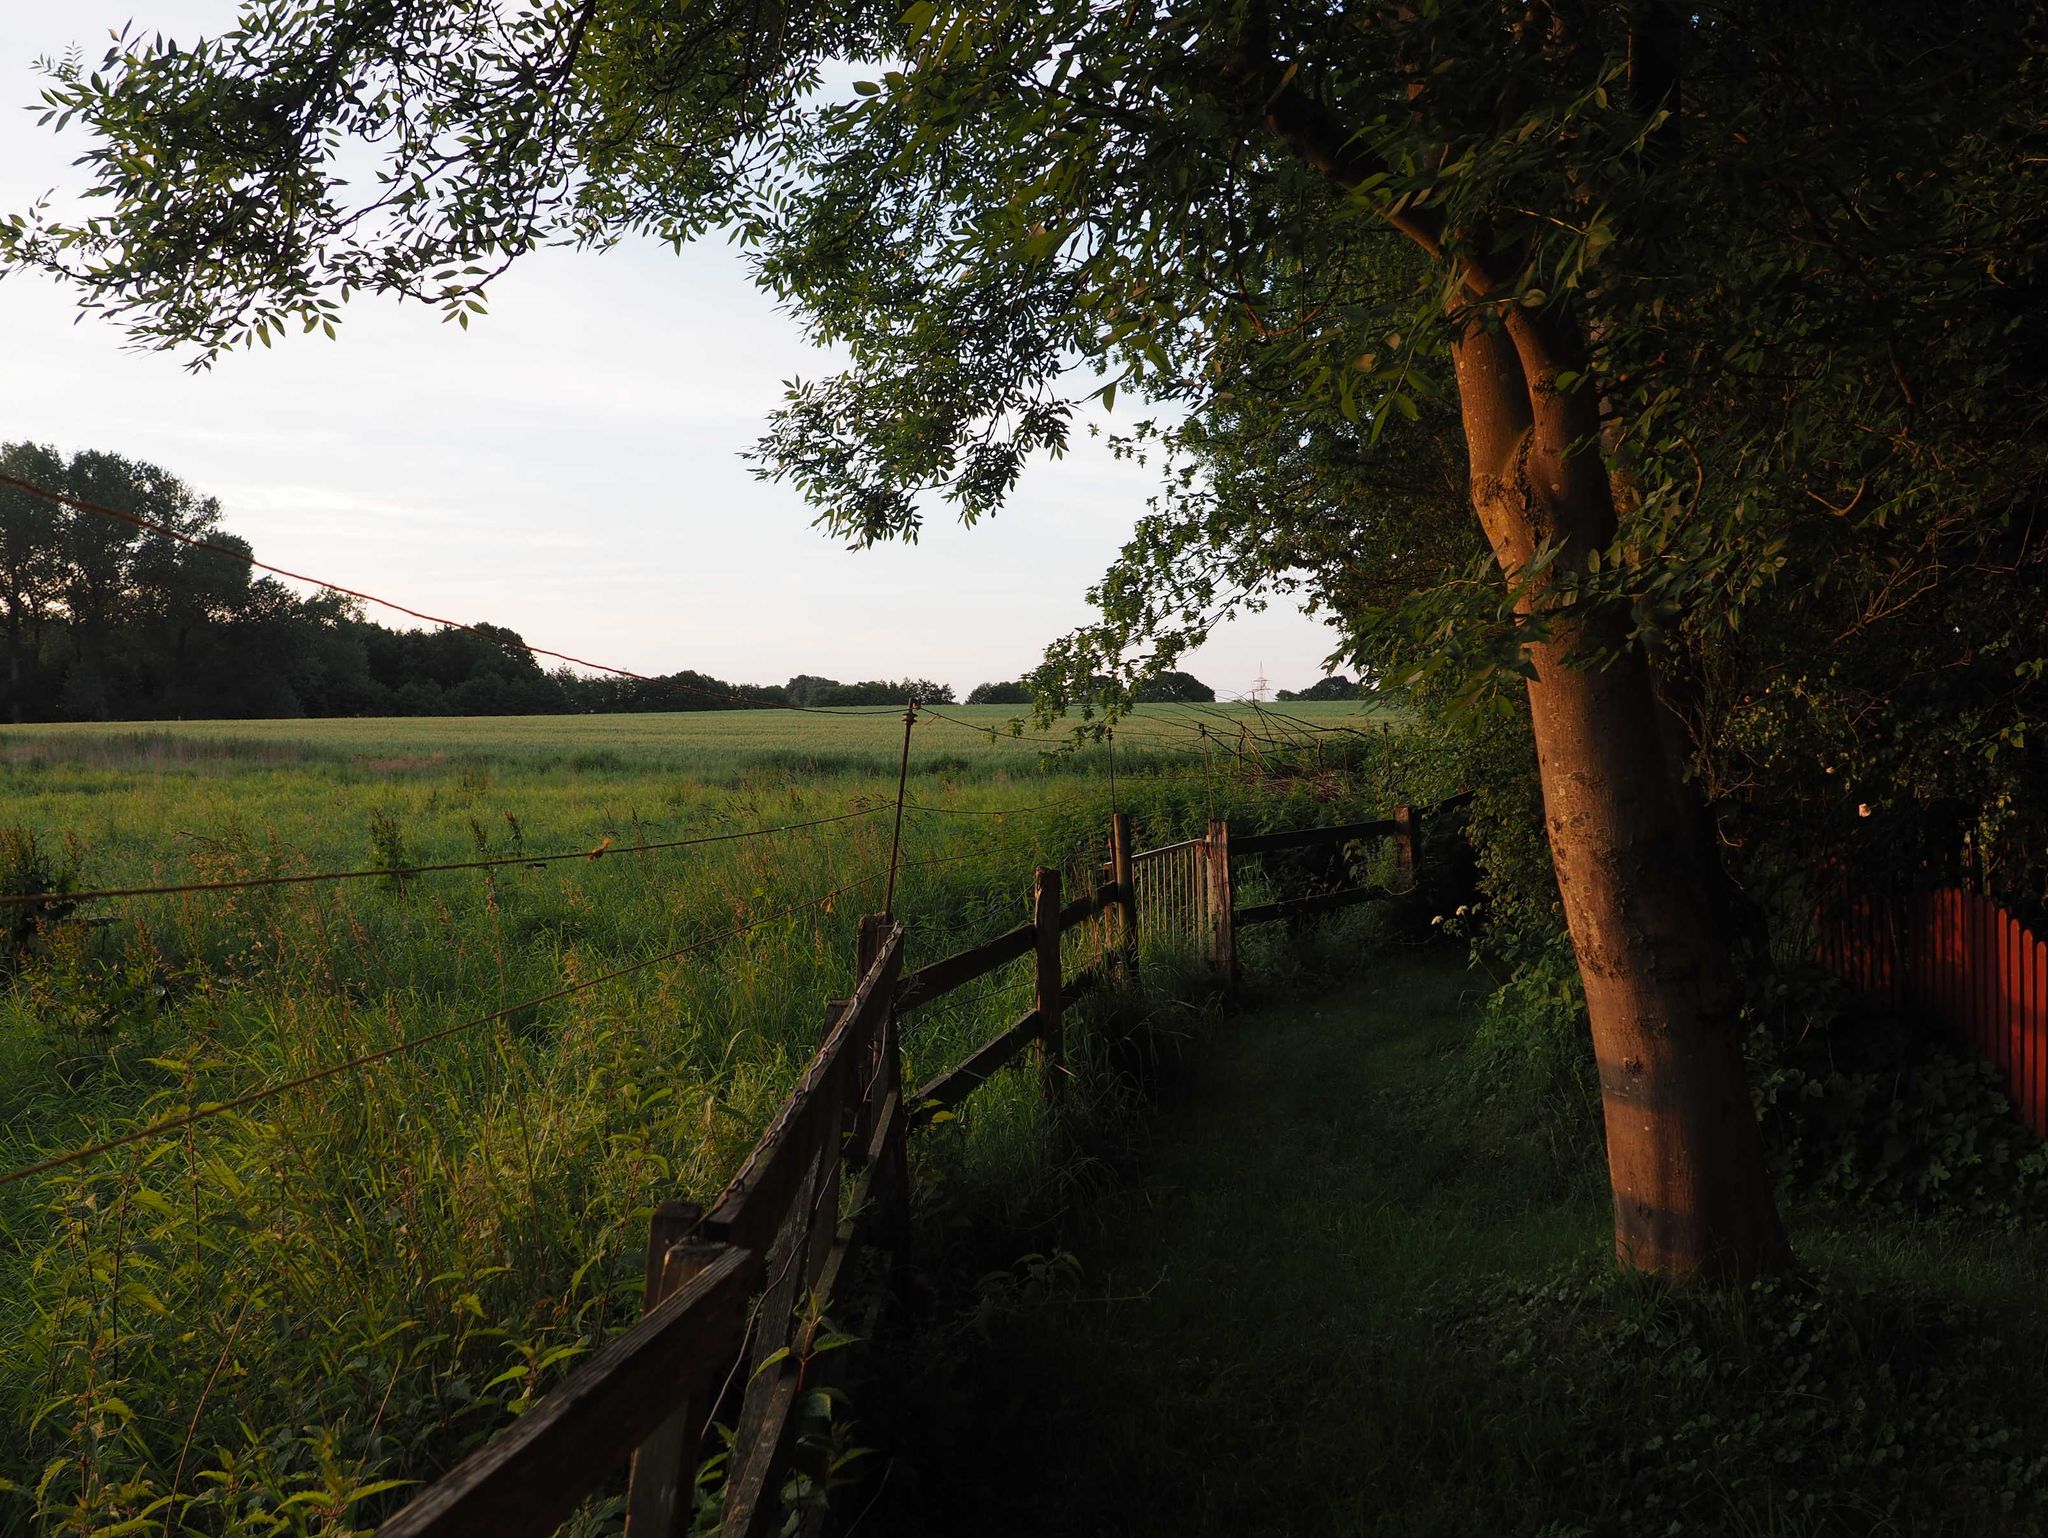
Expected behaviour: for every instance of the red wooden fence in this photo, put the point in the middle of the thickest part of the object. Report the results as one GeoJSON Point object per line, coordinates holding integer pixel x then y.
{"type": "Point", "coordinates": [1958, 958]}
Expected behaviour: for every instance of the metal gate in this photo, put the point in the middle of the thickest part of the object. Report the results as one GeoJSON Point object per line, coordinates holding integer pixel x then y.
{"type": "Point", "coordinates": [1171, 885]}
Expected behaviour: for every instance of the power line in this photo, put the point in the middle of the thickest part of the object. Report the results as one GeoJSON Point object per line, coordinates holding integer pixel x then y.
{"type": "Point", "coordinates": [601, 851]}
{"type": "Point", "coordinates": [412, 1043]}
{"type": "Point", "coordinates": [136, 520]}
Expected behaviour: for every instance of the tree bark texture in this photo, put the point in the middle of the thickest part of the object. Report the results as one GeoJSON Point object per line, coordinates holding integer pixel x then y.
{"type": "Point", "coordinates": [1691, 1197]}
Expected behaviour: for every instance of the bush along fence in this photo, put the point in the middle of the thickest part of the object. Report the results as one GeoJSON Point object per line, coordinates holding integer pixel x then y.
{"type": "Point", "coordinates": [1956, 957]}
{"type": "Point", "coordinates": [743, 1299]}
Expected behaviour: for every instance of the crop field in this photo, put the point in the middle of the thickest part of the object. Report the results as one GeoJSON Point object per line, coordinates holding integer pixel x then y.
{"type": "Point", "coordinates": [256, 1321]}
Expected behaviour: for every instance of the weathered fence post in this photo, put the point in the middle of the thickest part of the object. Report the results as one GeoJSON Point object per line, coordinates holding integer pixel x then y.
{"type": "Point", "coordinates": [1217, 887]}
{"type": "Point", "coordinates": [660, 1497]}
{"type": "Point", "coordinates": [1407, 847]}
{"type": "Point", "coordinates": [884, 1076]}
{"type": "Point", "coordinates": [1045, 920]}
{"type": "Point", "coordinates": [1126, 891]}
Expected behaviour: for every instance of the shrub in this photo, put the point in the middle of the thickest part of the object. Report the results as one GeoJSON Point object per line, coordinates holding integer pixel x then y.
{"type": "Point", "coordinates": [27, 869]}
{"type": "Point", "coordinates": [1791, 1406]}
{"type": "Point", "coordinates": [1872, 1110]}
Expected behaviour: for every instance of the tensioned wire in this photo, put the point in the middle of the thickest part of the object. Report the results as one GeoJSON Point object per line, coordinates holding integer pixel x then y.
{"type": "Point", "coordinates": [598, 852]}
{"type": "Point", "coordinates": [412, 1043]}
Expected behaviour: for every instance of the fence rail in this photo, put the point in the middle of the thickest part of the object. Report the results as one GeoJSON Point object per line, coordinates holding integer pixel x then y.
{"type": "Point", "coordinates": [786, 1237]}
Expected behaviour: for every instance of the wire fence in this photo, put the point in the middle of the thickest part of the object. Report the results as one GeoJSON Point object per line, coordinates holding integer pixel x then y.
{"type": "Point", "coordinates": [1159, 756]}
{"type": "Point", "coordinates": [598, 851]}
{"type": "Point", "coordinates": [1173, 896]}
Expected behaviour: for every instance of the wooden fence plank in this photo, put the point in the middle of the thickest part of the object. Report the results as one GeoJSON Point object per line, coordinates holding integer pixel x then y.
{"type": "Point", "coordinates": [1045, 918]}
{"type": "Point", "coordinates": [957, 1083]}
{"type": "Point", "coordinates": [749, 1511]}
{"type": "Point", "coordinates": [752, 1208]}
{"type": "Point", "coordinates": [1217, 887]}
{"type": "Point", "coordinates": [524, 1482]}
{"type": "Point", "coordinates": [1302, 907]}
{"type": "Point", "coordinates": [2013, 976]}
{"type": "Point", "coordinates": [658, 1496]}
{"type": "Point", "coordinates": [1081, 909]}
{"type": "Point", "coordinates": [1126, 894]}
{"type": "Point", "coordinates": [948, 973]}
{"type": "Point", "coordinates": [2033, 1006]}
{"type": "Point", "coordinates": [775, 1363]}
{"type": "Point", "coordinates": [1302, 838]}
{"type": "Point", "coordinates": [1407, 847]}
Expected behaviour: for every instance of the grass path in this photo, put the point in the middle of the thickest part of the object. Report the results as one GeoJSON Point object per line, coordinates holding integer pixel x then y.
{"type": "Point", "coordinates": [1239, 1352]}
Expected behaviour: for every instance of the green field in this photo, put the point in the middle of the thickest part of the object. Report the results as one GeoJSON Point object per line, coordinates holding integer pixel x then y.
{"type": "Point", "coordinates": [251, 1324]}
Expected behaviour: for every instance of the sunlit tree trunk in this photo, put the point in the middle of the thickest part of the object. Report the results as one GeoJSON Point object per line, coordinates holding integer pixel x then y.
{"type": "Point", "coordinates": [1691, 1198]}
{"type": "Point", "coordinates": [1684, 1152]}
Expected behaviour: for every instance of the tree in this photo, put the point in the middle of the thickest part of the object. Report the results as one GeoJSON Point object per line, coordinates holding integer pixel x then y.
{"type": "Point", "coordinates": [1335, 687]}
{"type": "Point", "coordinates": [810, 689]}
{"type": "Point", "coordinates": [1667, 271]}
{"type": "Point", "coordinates": [1007, 693]}
{"type": "Point", "coordinates": [29, 568]}
{"type": "Point", "coordinates": [1171, 686]}
{"type": "Point", "coordinates": [926, 691]}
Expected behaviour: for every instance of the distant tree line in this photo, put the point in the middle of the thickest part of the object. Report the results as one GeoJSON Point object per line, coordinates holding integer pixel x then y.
{"type": "Point", "coordinates": [1168, 688]}
{"type": "Point", "coordinates": [1335, 687]}
{"type": "Point", "coordinates": [103, 621]}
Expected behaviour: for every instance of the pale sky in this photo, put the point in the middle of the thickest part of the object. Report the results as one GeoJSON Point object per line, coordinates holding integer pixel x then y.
{"type": "Point", "coordinates": [569, 466]}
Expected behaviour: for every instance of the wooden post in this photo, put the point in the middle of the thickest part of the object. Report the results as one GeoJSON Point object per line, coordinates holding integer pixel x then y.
{"type": "Point", "coordinates": [662, 1491]}
{"type": "Point", "coordinates": [1217, 848]}
{"type": "Point", "coordinates": [874, 927]}
{"type": "Point", "coordinates": [1126, 892]}
{"type": "Point", "coordinates": [1407, 847]}
{"type": "Point", "coordinates": [884, 1074]}
{"type": "Point", "coordinates": [867, 1054]}
{"type": "Point", "coordinates": [1045, 919]}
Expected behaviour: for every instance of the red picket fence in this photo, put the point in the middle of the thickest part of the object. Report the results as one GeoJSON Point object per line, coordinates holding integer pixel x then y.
{"type": "Point", "coordinates": [1958, 958]}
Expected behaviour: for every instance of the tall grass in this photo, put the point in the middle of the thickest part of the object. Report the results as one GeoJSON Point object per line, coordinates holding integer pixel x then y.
{"type": "Point", "coordinates": [260, 1322]}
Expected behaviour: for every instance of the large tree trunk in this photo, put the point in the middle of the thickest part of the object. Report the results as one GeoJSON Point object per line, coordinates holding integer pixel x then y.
{"type": "Point", "coordinates": [1683, 1151]}
{"type": "Point", "coordinates": [1691, 1198]}
{"type": "Point", "coordinates": [1690, 1194]}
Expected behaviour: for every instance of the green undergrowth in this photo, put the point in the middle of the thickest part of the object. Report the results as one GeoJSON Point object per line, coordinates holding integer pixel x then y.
{"type": "Point", "coordinates": [1338, 1292]}
{"type": "Point", "coordinates": [1862, 1109]}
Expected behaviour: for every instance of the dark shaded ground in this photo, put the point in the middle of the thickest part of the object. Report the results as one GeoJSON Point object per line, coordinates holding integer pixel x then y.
{"type": "Point", "coordinates": [1236, 1348]}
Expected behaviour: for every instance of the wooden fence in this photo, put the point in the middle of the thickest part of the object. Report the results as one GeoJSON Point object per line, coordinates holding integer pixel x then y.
{"type": "Point", "coordinates": [1955, 957]}
{"type": "Point", "coordinates": [739, 1295]}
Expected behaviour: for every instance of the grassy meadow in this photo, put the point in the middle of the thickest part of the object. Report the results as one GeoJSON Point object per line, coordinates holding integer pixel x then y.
{"type": "Point", "coordinates": [257, 1323]}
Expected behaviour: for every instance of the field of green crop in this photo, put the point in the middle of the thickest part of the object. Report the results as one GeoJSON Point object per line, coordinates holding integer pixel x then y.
{"type": "Point", "coordinates": [255, 1323]}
